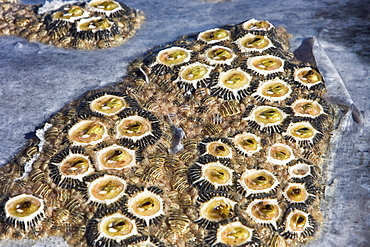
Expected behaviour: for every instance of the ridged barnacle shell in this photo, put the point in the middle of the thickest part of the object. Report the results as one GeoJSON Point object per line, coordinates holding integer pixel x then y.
{"type": "Point", "coordinates": [87, 132]}
{"type": "Point", "coordinates": [258, 183]}
{"type": "Point", "coordinates": [307, 108]}
{"type": "Point", "coordinates": [301, 170]}
{"type": "Point", "coordinates": [193, 76]}
{"type": "Point", "coordinates": [105, 190]}
{"type": "Point", "coordinates": [209, 173]}
{"type": "Point", "coordinates": [307, 77]}
{"type": "Point", "coordinates": [235, 233]}
{"type": "Point", "coordinates": [70, 13]}
{"type": "Point", "coordinates": [23, 211]}
{"type": "Point", "coordinates": [137, 128]}
{"type": "Point", "coordinates": [109, 228]}
{"type": "Point", "coordinates": [273, 90]}
{"type": "Point", "coordinates": [247, 143]}
{"type": "Point", "coordinates": [280, 154]}
{"type": "Point", "coordinates": [298, 225]}
{"type": "Point", "coordinates": [266, 118]}
{"type": "Point", "coordinates": [146, 206]}
{"type": "Point", "coordinates": [214, 35]}
{"type": "Point", "coordinates": [219, 55]}
{"type": "Point", "coordinates": [254, 43]}
{"type": "Point", "coordinates": [145, 241]}
{"type": "Point", "coordinates": [257, 25]}
{"type": "Point", "coordinates": [115, 157]}
{"type": "Point", "coordinates": [232, 84]}
{"type": "Point", "coordinates": [69, 168]}
{"type": "Point", "coordinates": [265, 211]}
{"type": "Point", "coordinates": [303, 133]}
{"type": "Point", "coordinates": [216, 210]}
{"type": "Point", "coordinates": [298, 193]}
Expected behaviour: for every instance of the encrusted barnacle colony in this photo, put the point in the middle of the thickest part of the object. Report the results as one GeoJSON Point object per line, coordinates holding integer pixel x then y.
{"type": "Point", "coordinates": [217, 139]}
{"type": "Point", "coordinates": [94, 24]}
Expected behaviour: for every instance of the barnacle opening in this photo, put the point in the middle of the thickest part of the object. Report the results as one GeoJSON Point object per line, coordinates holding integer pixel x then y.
{"type": "Point", "coordinates": [108, 104]}
{"type": "Point", "coordinates": [254, 43]}
{"type": "Point", "coordinates": [24, 210]}
{"type": "Point", "coordinates": [195, 72]}
{"type": "Point", "coordinates": [307, 76]}
{"type": "Point", "coordinates": [247, 143]}
{"type": "Point", "coordinates": [217, 209]}
{"type": "Point", "coordinates": [146, 205]}
{"type": "Point", "coordinates": [234, 79]}
{"type": "Point", "coordinates": [217, 174]}
{"type": "Point", "coordinates": [104, 6]}
{"type": "Point", "coordinates": [117, 227]}
{"type": "Point", "coordinates": [302, 131]}
{"type": "Point", "coordinates": [258, 181]}
{"type": "Point", "coordinates": [87, 132]}
{"type": "Point", "coordinates": [266, 64]}
{"type": "Point", "coordinates": [134, 127]}
{"type": "Point", "coordinates": [70, 14]}
{"type": "Point", "coordinates": [265, 211]}
{"type": "Point", "coordinates": [220, 55]}
{"type": "Point", "coordinates": [296, 193]}
{"type": "Point", "coordinates": [234, 234]}
{"type": "Point", "coordinates": [115, 157]}
{"type": "Point", "coordinates": [219, 149]}
{"type": "Point", "coordinates": [214, 35]}
{"type": "Point", "coordinates": [254, 24]}
{"type": "Point", "coordinates": [106, 189]}
{"type": "Point", "coordinates": [280, 154]}
{"type": "Point", "coordinates": [299, 224]}
{"type": "Point", "coordinates": [299, 170]}
{"type": "Point", "coordinates": [273, 90]}
{"type": "Point", "coordinates": [75, 166]}
{"type": "Point", "coordinates": [173, 56]}
{"type": "Point", "coordinates": [307, 108]}
{"type": "Point", "coordinates": [267, 116]}
{"type": "Point", "coordinates": [94, 24]}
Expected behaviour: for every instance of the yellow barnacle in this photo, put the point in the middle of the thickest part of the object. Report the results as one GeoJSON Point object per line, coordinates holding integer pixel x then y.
{"type": "Point", "coordinates": [266, 64]}
{"type": "Point", "coordinates": [254, 24]}
{"type": "Point", "coordinates": [280, 154]}
{"type": "Point", "coordinates": [273, 90]}
{"type": "Point", "coordinates": [217, 174]}
{"type": "Point", "coordinates": [234, 79]}
{"type": "Point", "coordinates": [220, 55]}
{"type": "Point", "coordinates": [258, 181]}
{"type": "Point", "coordinates": [104, 5]}
{"type": "Point", "coordinates": [264, 211]}
{"type": "Point", "coordinates": [299, 170]}
{"type": "Point", "coordinates": [214, 35]}
{"type": "Point", "coordinates": [253, 43]}
{"type": "Point", "coordinates": [87, 132]}
{"type": "Point", "coordinates": [75, 165]}
{"type": "Point", "coordinates": [24, 210]}
{"type": "Point", "coordinates": [134, 127]}
{"type": "Point", "coordinates": [146, 205]}
{"type": "Point", "coordinates": [302, 130]}
{"type": "Point", "coordinates": [217, 209]}
{"type": "Point", "coordinates": [234, 234]}
{"type": "Point", "coordinates": [219, 149]}
{"type": "Point", "coordinates": [70, 14]}
{"type": "Point", "coordinates": [108, 104]}
{"type": "Point", "coordinates": [106, 189]}
{"type": "Point", "coordinates": [296, 193]}
{"type": "Point", "coordinates": [115, 157]}
{"type": "Point", "coordinates": [247, 143]}
{"type": "Point", "coordinates": [267, 115]}
{"type": "Point", "coordinates": [307, 76]}
{"type": "Point", "coordinates": [299, 224]}
{"type": "Point", "coordinates": [117, 227]}
{"type": "Point", "coordinates": [173, 56]}
{"type": "Point", "coordinates": [195, 72]}
{"type": "Point", "coordinates": [307, 108]}
{"type": "Point", "coordinates": [94, 24]}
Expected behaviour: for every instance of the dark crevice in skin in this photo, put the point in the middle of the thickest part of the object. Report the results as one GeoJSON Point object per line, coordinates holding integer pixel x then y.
{"type": "Point", "coordinates": [304, 51]}
{"type": "Point", "coordinates": [355, 37]}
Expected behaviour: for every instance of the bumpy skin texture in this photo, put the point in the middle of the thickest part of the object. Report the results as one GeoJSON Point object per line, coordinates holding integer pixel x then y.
{"type": "Point", "coordinates": [216, 139]}
{"type": "Point", "coordinates": [95, 24]}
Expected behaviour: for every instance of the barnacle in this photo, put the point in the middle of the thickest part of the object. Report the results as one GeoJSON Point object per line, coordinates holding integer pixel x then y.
{"type": "Point", "coordinates": [81, 25]}
{"type": "Point", "coordinates": [23, 211]}
{"type": "Point", "coordinates": [216, 140]}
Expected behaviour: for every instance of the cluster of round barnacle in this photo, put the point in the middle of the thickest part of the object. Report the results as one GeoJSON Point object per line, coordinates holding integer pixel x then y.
{"type": "Point", "coordinates": [214, 140]}
{"type": "Point", "coordinates": [81, 25]}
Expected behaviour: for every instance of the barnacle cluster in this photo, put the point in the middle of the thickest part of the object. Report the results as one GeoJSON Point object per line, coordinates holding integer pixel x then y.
{"type": "Point", "coordinates": [216, 139]}
{"type": "Point", "coordinates": [78, 24]}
